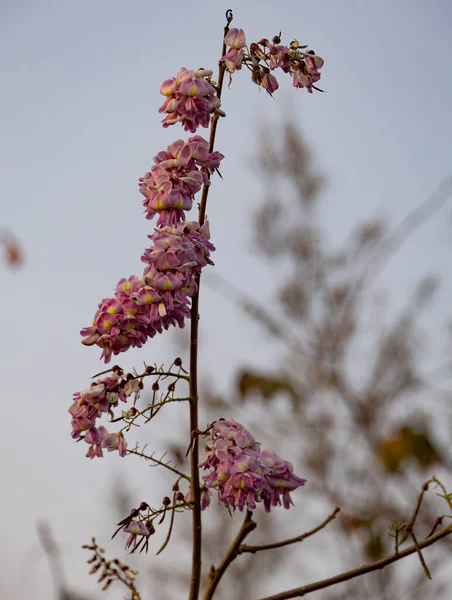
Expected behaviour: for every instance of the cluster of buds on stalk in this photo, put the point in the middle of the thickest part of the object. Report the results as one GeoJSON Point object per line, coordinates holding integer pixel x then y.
{"type": "Point", "coordinates": [111, 570]}
{"type": "Point", "coordinates": [264, 57]}
{"type": "Point", "coordinates": [101, 397]}
{"type": "Point", "coordinates": [139, 525]}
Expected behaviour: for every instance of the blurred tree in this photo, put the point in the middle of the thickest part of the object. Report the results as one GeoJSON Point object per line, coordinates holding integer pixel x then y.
{"type": "Point", "coordinates": [351, 397]}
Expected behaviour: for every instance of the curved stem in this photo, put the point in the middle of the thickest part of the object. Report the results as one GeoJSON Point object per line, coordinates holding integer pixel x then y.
{"type": "Point", "coordinates": [194, 452]}
{"type": "Point", "coordinates": [299, 538]}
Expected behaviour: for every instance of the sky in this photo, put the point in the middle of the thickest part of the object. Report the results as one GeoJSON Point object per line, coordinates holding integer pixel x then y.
{"type": "Point", "coordinates": [78, 126]}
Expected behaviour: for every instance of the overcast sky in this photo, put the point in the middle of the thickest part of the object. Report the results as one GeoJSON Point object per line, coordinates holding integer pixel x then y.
{"type": "Point", "coordinates": [79, 125]}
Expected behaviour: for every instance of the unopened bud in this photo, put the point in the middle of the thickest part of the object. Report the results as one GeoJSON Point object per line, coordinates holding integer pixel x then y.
{"type": "Point", "coordinates": [150, 526]}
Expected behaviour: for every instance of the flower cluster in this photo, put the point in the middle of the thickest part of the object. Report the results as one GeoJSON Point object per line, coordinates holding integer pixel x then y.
{"type": "Point", "coordinates": [265, 56]}
{"type": "Point", "coordinates": [89, 405]}
{"type": "Point", "coordinates": [190, 99]}
{"type": "Point", "coordinates": [242, 473]}
{"type": "Point", "coordinates": [143, 307]}
{"type": "Point", "coordinates": [178, 174]}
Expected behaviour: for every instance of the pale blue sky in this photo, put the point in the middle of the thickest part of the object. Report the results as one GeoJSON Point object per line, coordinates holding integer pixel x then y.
{"type": "Point", "coordinates": [79, 125]}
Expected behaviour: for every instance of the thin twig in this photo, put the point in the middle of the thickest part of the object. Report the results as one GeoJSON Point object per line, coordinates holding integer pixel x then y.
{"type": "Point", "coordinates": [160, 462]}
{"type": "Point", "coordinates": [300, 538]}
{"type": "Point", "coordinates": [421, 558]}
{"type": "Point", "coordinates": [379, 564]}
{"type": "Point", "coordinates": [416, 511]}
{"type": "Point", "coordinates": [447, 497]}
{"type": "Point", "coordinates": [215, 575]}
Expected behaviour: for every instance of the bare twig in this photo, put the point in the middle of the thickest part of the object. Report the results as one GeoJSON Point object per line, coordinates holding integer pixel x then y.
{"type": "Point", "coordinates": [375, 566]}
{"type": "Point", "coordinates": [215, 575]}
{"type": "Point", "coordinates": [410, 526]}
{"type": "Point", "coordinates": [159, 462]}
{"type": "Point", "coordinates": [421, 558]}
{"type": "Point", "coordinates": [282, 543]}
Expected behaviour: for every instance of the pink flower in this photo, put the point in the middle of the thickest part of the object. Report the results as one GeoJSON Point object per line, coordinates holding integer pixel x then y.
{"type": "Point", "coordinates": [139, 535]}
{"type": "Point", "coordinates": [236, 40]}
{"type": "Point", "coordinates": [190, 99]}
{"type": "Point", "coordinates": [144, 307]}
{"type": "Point", "coordinates": [242, 474]}
{"type": "Point", "coordinates": [179, 173]}
{"type": "Point", "coordinates": [269, 81]}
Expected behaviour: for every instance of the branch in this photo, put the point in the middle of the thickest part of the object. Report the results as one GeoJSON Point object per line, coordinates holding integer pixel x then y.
{"type": "Point", "coordinates": [195, 581]}
{"type": "Point", "coordinates": [379, 564]}
{"type": "Point", "coordinates": [215, 575]}
{"type": "Point", "coordinates": [300, 538]}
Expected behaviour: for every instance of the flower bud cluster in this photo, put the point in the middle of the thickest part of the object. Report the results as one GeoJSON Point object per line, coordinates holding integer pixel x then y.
{"type": "Point", "coordinates": [143, 307]}
{"type": "Point", "coordinates": [242, 473]}
{"type": "Point", "coordinates": [88, 406]}
{"type": "Point", "coordinates": [190, 99]}
{"type": "Point", "coordinates": [265, 56]}
{"type": "Point", "coordinates": [179, 173]}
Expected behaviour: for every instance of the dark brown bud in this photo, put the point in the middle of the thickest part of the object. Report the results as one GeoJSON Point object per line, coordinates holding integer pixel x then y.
{"type": "Point", "coordinates": [155, 386]}
{"type": "Point", "coordinates": [149, 369]}
{"type": "Point", "coordinates": [143, 506]}
{"type": "Point", "coordinates": [180, 497]}
{"type": "Point", "coordinates": [94, 568]}
{"type": "Point", "coordinates": [107, 584]}
{"type": "Point", "coordinates": [178, 362]}
{"type": "Point", "coordinates": [175, 487]}
{"type": "Point", "coordinates": [171, 387]}
{"type": "Point", "coordinates": [166, 501]}
{"type": "Point", "coordinates": [150, 526]}
{"type": "Point", "coordinates": [276, 39]}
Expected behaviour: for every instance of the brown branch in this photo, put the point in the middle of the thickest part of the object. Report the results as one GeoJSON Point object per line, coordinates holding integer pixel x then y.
{"type": "Point", "coordinates": [300, 538]}
{"type": "Point", "coordinates": [215, 575]}
{"type": "Point", "coordinates": [379, 564]}
{"type": "Point", "coordinates": [195, 580]}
